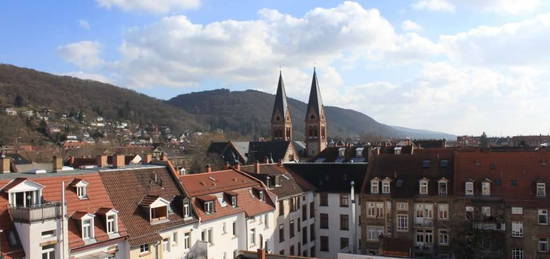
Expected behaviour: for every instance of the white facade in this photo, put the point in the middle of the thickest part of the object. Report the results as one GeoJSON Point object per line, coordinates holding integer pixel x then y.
{"type": "Point", "coordinates": [334, 233]}
{"type": "Point", "coordinates": [222, 238]}
{"type": "Point", "coordinates": [259, 230]}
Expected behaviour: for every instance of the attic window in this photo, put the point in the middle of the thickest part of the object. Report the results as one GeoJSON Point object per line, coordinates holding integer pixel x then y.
{"type": "Point", "coordinates": [341, 152]}
{"type": "Point", "coordinates": [81, 189]}
{"type": "Point", "coordinates": [386, 185]}
{"type": "Point", "coordinates": [209, 207]}
{"type": "Point", "coordinates": [423, 186]}
{"type": "Point", "coordinates": [186, 210]}
{"type": "Point", "coordinates": [277, 181]}
{"type": "Point", "coordinates": [359, 152]}
{"type": "Point", "coordinates": [444, 163]}
{"type": "Point", "coordinates": [469, 188]}
{"type": "Point", "coordinates": [374, 185]}
{"type": "Point", "coordinates": [234, 201]}
{"type": "Point", "coordinates": [261, 195]}
{"type": "Point", "coordinates": [541, 190]}
{"type": "Point", "coordinates": [87, 226]}
{"type": "Point", "coordinates": [426, 163]}
{"type": "Point", "coordinates": [112, 222]}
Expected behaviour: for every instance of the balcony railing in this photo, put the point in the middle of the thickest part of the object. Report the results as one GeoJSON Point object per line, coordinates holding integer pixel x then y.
{"type": "Point", "coordinates": [38, 212]}
{"type": "Point", "coordinates": [422, 222]}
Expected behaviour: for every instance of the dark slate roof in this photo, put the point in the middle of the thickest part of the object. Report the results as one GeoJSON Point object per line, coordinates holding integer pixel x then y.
{"type": "Point", "coordinates": [406, 170]}
{"type": "Point", "coordinates": [281, 105]}
{"type": "Point", "coordinates": [262, 150]}
{"type": "Point", "coordinates": [334, 178]}
{"type": "Point", "coordinates": [430, 143]}
{"type": "Point", "coordinates": [315, 101]}
{"type": "Point", "coordinates": [217, 147]}
{"type": "Point", "coordinates": [290, 183]}
{"type": "Point", "coordinates": [332, 154]}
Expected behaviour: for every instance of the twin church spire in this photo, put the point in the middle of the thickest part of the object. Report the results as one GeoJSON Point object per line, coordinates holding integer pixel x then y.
{"type": "Point", "coordinates": [315, 121]}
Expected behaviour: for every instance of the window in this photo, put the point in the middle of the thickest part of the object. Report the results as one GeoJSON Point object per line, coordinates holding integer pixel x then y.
{"type": "Point", "coordinates": [469, 212]}
{"type": "Point", "coordinates": [234, 228]}
{"type": "Point", "coordinates": [186, 210]}
{"type": "Point", "coordinates": [209, 207]}
{"type": "Point", "coordinates": [444, 163]}
{"type": "Point", "coordinates": [386, 186]}
{"type": "Point", "coordinates": [87, 228]}
{"type": "Point", "coordinates": [48, 252]}
{"type": "Point", "coordinates": [344, 200]}
{"type": "Point", "coordinates": [374, 232]}
{"type": "Point", "coordinates": [253, 237]}
{"type": "Point", "coordinates": [324, 221]}
{"type": "Point", "coordinates": [291, 224]}
{"type": "Point", "coordinates": [424, 238]}
{"type": "Point", "coordinates": [234, 201]}
{"type": "Point", "coordinates": [344, 242]}
{"type": "Point", "coordinates": [261, 195]}
{"type": "Point", "coordinates": [166, 245]}
{"type": "Point", "coordinates": [81, 192]}
{"type": "Point", "coordinates": [48, 234]}
{"type": "Point", "coordinates": [144, 248]}
{"type": "Point", "coordinates": [304, 235]}
{"type": "Point", "coordinates": [423, 211]}
{"type": "Point", "coordinates": [112, 226]}
{"type": "Point", "coordinates": [486, 188]}
{"type": "Point", "coordinates": [486, 211]}
{"type": "Point", "coordinates": [344, 222]}
{"type": "Point", "coordinates": [469, 188]}
{"type": "Point", "coordinates": [543, 245]}
{"type": "Point", "coordinates": [374, 183]}
{"type": "Point", "coordinates": [224, 228]}
{"type": "Point", "coordinates": [442, 186]}
{"type": "Point", "coordinates": [266, 220]}
{"type": "Point", "coordinates": [517, 210]}
{"type": "Point", "coordinates": [281, 233]}
{"type": "Point", "coordinates": [187, 240]}
{"type": "Point", "coordinates": [311, 210]}
{"type": "Point", "coordinates": [304, 212]}
{"type": "Point", "coordinates": [517, 253]}
{"type": "Point", "coordinates": [426, 163]}
{"type": "Point", "coordinates": [402, 222]}
{"type": "Point", "coordinates": [312, 232]}
{"type": "Point", "coordinates": [291, 252]}
{"type": "Point", "coordinates": [324, 243]}
{"type": "Point", "coordinates": [443, 211]}
{"type": "Point", "coordinates": [517, 229]}
{"type": "Point", "coordinates": [541, 190]}
{"type": "Point", "coordinates": [423, 187]}
{"type": "Point", "coordinates": [404, 206]}
{"type": "Point", "coordinates": [543, 216]}
{"type": "Point", "coordinates": [443, 237]}
{"type": "Point", "coordinates": [281, 208]}
{"type": "Point", "coordinates": [323, 199]}
{"type": "Point", "coordinates": [375, 209]}
{"type": "Point", "coordinates": [210, 236]}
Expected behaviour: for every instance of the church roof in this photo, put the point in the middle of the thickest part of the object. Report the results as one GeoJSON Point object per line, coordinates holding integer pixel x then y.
{"type": "Point", "coordinates": [315, 102]}
{"type": "Point", "coordinates": [281, 105]}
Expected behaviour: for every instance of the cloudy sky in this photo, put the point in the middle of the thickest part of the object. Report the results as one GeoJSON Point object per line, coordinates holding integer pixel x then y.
{"type": "Point", "coordinates": [459, 66]}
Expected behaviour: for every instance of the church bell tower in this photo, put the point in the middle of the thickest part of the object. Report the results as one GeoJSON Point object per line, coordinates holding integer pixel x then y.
{"type": "Point", "coordinates": [281, 123]}
{"type": "Point", "coordinates": [316, 122]}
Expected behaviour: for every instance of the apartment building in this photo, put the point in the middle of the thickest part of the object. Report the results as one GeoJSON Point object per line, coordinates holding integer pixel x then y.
{"type": "Point", "coordinates": [235, 211]}
{"type": "Point", "coordinates": [336, 206]}
{"type": "Point", "coordinates": [293, 218]}
{"type": "Point", "coordinates": [406, 200]}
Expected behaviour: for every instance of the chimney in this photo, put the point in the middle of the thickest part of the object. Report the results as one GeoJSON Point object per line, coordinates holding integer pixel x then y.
{"type": "Point", "coordinates": [148, 158]}
{"type": "Point", "coordinates": [5, 166]}
{"type": "Point", "coordinates": [208, 168]}
{"type": "Point", "coordinates": [261, 254]}
{"type": "Point", "coordinates": [238, 166]}
{"type": "Point", "coordinates": [57, 164]}
{"type": "Point", "coordinates": [164, 156]}
{"type": "Point", "coordinates": [102, 161]}
{"type": "Point", "coordinates": [118, 161]}
{"type": "Point", "coordinates": [257, 167]}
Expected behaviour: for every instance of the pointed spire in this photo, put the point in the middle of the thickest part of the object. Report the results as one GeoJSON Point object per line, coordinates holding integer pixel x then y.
{"type": "Point", "coordinates": [315, 101]}
{"type": "Point", "coordinates": [281, 105]}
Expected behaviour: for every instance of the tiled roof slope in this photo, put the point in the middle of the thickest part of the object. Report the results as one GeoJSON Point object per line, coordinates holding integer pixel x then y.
{"type": "Point", "coordinates": [128, 187]}
{"type": "Point", "coordinates": [406, 170]}
{"type": "Point", "coordinates": [513, 174]}
{"type": "Point", "coordinates": [334, 178]}
{"type": "Point", "coordinates": [291, 184]}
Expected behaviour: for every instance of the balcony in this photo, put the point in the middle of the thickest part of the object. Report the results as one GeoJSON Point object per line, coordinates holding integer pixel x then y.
{"type": "Point", "coordinates": [38, 212]}
{"type": "Point", "coordinates": [423, 222]}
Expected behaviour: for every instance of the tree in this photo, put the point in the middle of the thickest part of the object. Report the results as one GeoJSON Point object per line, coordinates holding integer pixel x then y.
{"type": "Point", "coordinates": [19, 101]}
{"type": "Point", "coordinates": [483, 141]}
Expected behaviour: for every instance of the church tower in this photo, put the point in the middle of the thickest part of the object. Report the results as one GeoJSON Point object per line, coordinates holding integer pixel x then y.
{"type": "Point", "coordinates": [281, 124]}
{"type": "Point", "coordinates": [316, 122]}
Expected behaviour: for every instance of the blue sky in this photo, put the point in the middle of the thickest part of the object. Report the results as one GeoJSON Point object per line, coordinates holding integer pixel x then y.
{"type": "Point", "coordinates": [460, 66]}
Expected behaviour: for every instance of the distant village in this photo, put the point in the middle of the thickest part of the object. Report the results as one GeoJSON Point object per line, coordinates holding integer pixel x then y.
{"type": "Point", "coordinates": [282, 197]}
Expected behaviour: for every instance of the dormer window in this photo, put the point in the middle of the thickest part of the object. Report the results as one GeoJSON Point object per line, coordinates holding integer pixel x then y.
{"type": "Point", "coordinates": [541, 189]}
{"type": "Point", "coordinates": [341, 152]}
{"type": "Point", "coordinates": [423, 186]}
{"type": "Point", "coordinates": [442, 186]}
{"type": "Point", "coordinates": [186, 210]}
{"type": "Point", "coordinates": [157, 208]}
{"type": "Point", "coordinates": [374, 185]}
{"type": "Point", "coordinates": [234, 201]}
{"type": "Point", "coordinates": [209, 207]}
{"type": "Point", "coordinates": [23, 192]}
{"type": "Point", "coordinates": [112, 223]}
{"type": "Point", "coordinates": [261, 195]}
{"type": "Point", "coordinates": [86, 224]}
{"type": "Point", "coordinates": [81, 188]}
{"type": "Point", "coordinates": [277, 181]}
{"type": "Point", "coordinates": [386, 185]}
{"type": "Point", "coordinates": [469, 188]}
{"type": "Point", "coordinates": [426, 163]}
{"type": "Point", "coordinates": [486, 187]}
{"type": "Point", "coordinates": [359, 152]}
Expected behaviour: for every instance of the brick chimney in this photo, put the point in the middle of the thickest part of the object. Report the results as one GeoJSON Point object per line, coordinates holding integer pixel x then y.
{"type": "Point", "coordinates": [5, 165]}
{"type": "Point", "coordinates": [148, 158]}
{"type": "Point", "coordinates": [118, 161]}
{"type": "Point", "coordinates": [261, 254]}
{"type": "Point", "coordinates": [102, 161]}
{"type": "Point", "coordinates": [257, 167]}
{"type": "Point", "coordinates": [57, 164]}
{"type": "Point", "coordinates": [208, 168]}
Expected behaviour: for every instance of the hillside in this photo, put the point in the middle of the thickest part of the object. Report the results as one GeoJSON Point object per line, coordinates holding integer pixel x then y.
{"type": "Point", "coordinates": [248, 113]}
{"type": "Point", "coordinates": [68, 94]}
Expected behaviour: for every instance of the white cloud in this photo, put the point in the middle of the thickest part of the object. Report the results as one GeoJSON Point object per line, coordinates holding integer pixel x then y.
{"type": "Point", "coordinates": [156, 6]}
{"type": "Point", "coordinates": [84, 54]}
{"type": "Point", "coordinates": [84, 24]}
{"type": "Point", "coordinates": [434, 5]}
{"type": "Point", "coordinates": [89, 76]}
{"type": "Point", "coordinates": [409, 25]}
{"type": "Point", "coordinates": [501, 6]}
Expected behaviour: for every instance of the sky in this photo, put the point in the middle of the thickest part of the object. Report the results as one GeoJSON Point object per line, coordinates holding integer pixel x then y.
{"type": "Point", "coordinates": [458, 66]}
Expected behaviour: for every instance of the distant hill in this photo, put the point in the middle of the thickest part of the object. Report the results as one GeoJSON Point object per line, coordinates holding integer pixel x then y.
{"type": "Point", "coordinates": [66, 94]}
{"type": "Point", "coordinates": [248, 113]}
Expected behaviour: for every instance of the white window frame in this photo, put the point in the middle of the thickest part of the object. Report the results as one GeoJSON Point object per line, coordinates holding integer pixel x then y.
{"type": "Point", "coordinates": [375, 186]}
{"type": "Point", "coordinates": [386, 186]}
{"type": "Point", "coordinates": [443, 211]}
{"type": "Point", "coordinates": [374, 233]}
{"type": "Point", "coordinates": [186, 210]}
{"type": "Point", "coordinates": [486, 188]}
{"type": "Point", "coordinates": [252, 237]}
{"type": "Point", "coordinates": [144, 249]}
{"type": "Point", "coordinates": [187, 240]}
{"type": "Point", "coordinates": [49, 251]}
{"type": "Point", "coordinates": [111, 223]}
{"type": "Point", "coordinates": [209, 207]}
{"type": "Point", "coordinates": [403, 206]}
{"type": "Point", "coordinates": [517, 229]}
{"type": "Point", "coordinates": [375, 209]}
{"type": "Point", "coordinates": [544, 247]}
{"type": "Point", "coordinates": [443, 237]}
{"type": "Point", "coordinates": [234, 201]}
{"type": "Point", "coordinates": [423, 186]}
{"type": "Point", "coordinates": [517, 253]}
{"type": "Point", "coordinates": [517, 210]}
{"type": "Point", "coordinates": [87, 227]}
{"type": "Point", "coordinates": [82, 190]}
{"type": "Point", "coordinates": [402, 222]}
{"type": "Point", "coordinates": [544, 213]}
{"type": "Point", "coordinates": [469, 188]}
{"type": "Point", "coordinates": [541, 189]}
{"type": "Point", "coordinates": [440, 190]}
{"type": "Point", "coordinates": [486, 211]}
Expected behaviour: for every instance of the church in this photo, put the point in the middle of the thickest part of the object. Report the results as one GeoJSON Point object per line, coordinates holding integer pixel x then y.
{"type": "Point", "coordinates": [282, 147]}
